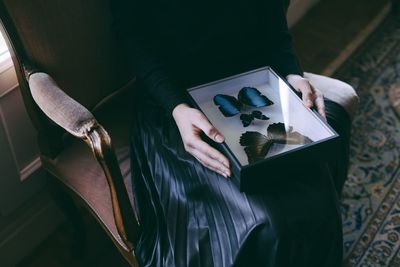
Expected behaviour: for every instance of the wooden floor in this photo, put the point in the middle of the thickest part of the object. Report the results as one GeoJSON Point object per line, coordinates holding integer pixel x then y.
{"type": "Point", "coordinates": [60, 250]}
{"type": "Point", "coordinates": [319, 39]}
{"type": "Point", "coordinates": [329, 28]}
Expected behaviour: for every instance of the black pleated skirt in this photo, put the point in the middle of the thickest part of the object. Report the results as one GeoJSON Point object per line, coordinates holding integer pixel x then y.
{"type": "Point", "coordinates": [191, 216]}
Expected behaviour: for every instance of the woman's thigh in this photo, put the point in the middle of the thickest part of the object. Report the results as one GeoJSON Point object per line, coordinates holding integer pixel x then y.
{"type": "Point", "coordinates": [181, 200]}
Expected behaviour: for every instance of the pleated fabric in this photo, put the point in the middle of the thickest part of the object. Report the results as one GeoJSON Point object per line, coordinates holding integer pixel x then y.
{"type": "Point", "coordinates": [191, 216]}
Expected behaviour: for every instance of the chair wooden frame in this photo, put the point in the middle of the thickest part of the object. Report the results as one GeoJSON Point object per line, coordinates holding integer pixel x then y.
{"type": "Point", "coordinates": [43, 96]}
{"type": "Point", "coordinates": [82, 124]}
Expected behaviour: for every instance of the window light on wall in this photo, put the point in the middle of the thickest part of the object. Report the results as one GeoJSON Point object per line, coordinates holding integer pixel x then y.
{"type": "Point", "coordinates": [5, 58]}
{"type": "Point", "coordinates": [3, 47]}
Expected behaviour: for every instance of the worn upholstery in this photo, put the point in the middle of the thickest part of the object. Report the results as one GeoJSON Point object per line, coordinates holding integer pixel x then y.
{"type": "Point", "coordinates": [58, 106]}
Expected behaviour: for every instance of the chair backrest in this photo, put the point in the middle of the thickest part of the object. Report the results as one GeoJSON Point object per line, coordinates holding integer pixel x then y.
{"type": "Point", "coordinates": [70, 40]}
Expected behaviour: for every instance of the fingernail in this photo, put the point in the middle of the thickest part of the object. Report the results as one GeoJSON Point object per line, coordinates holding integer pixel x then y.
{"type": "Point", "coordinates": [219, 138]}
{"type": "Point", "coordinates": [225, 165]}
{"type": "Point", "coordinates": [309, 103]}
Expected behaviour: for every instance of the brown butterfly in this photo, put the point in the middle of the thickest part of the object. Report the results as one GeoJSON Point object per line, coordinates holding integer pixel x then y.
{"type": "Point", "coordinates": [257, 145]}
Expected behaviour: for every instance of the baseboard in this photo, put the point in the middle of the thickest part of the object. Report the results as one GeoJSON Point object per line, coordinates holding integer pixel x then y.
{"type": "Point", "coordinates": [27, 229]}
{"type": "Point", "coordinates": [30, 169]}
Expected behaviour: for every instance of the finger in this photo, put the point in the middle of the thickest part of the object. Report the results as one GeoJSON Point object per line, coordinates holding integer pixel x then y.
{"type": "Point", "coordinates": [210, 163]}
{"type": "Point", "coordinates": [320, 104]}
{"type": "Point", "coordinates": [212, 153]}
{"type": "Point", "coordinates": [212, 169]}
{"type": "Point", "coordinates": [307, 95]}
{"type": "Point", "coordinates": [209, 129]}
{"type": "Point", "coordinates": [209, 152]}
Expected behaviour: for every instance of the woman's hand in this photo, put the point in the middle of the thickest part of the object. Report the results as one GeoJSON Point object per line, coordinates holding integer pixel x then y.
{"type": "Point", "coordinates": [311, 96]}
{"type": "Point", "coordinates": [191, 122]}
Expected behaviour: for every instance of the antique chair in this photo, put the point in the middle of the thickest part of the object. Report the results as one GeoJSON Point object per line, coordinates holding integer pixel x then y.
{"type": "Point", "coordinates": [74, 79]}
{"type": "Point", "coordinates": [72, 41]}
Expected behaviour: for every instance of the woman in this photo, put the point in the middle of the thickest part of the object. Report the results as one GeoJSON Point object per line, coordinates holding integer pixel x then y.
{"type": "Point", "coordinates": [190, 214]}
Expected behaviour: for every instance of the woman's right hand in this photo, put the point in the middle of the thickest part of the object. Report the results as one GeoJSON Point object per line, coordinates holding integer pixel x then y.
{"type": "Point", "coordinates": [191, 122]}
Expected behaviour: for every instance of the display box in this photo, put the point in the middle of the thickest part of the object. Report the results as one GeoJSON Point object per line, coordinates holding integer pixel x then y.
{"type": "Point", "coordinates": [269, 132]}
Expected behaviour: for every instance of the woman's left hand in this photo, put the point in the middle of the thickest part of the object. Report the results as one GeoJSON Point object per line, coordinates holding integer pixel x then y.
{"type": "Point", "coordinates": [311, 96]}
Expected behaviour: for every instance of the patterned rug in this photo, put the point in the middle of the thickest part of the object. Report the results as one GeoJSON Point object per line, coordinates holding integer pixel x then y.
{"type": "Point", "coordinates": [371, 197]}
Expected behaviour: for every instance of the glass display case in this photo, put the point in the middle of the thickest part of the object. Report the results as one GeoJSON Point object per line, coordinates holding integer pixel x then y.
{"type": "Point", "coordinates": [267, 127]}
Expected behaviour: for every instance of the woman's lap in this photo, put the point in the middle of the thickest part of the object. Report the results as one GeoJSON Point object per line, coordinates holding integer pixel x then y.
{"type": "Point", "coordinates": [191, 216]}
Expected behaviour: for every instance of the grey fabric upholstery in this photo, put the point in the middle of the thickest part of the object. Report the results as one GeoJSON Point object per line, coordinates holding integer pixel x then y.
{"type": "Point", "coordinates": [58, 106]}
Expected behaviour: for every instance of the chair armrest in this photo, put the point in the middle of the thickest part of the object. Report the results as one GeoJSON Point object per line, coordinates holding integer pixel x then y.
{"type": "Point", "coordinates": [80, 122]}
{"type": "Point", "coordinates": [58, 106]}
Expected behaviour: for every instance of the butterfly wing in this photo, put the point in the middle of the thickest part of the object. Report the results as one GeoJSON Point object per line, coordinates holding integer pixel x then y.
{"type": "Point", "coordinates": [252, 97]}
{"type": "Point", "coordinates": [228, 105]}
{"type": "Point", "coordinates": [277, 133]}
{"type": "Point", "coordinates": [297, 138]}
{"type": "Point", "coordinates": [246, 119]}
{"type": "Point", "coordinates": [256, 145]}
{"type": "Point", "coordinates": [258, 115]}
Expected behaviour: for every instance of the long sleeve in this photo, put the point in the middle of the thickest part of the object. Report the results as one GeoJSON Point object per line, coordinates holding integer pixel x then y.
{"type": "Point", "coordinates": [283, 58]}
{"type": "Point", "coordinates": [149, 69]}
{"type": "Point", "coordinates": [173, 45]}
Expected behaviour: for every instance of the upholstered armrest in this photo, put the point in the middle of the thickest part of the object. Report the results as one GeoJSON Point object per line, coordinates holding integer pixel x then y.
{"type": "Point", "coordinates": [80, 122]}
{"type": "Point", "coordinates": [59, 107]}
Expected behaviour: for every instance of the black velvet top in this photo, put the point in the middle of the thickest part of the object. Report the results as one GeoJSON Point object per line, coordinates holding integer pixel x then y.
{"type": "Point", "coordinates": [173, 45]}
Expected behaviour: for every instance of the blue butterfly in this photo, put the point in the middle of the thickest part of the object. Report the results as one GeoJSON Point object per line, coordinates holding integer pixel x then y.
{"type": "Point", "coordinates": [250, 96]}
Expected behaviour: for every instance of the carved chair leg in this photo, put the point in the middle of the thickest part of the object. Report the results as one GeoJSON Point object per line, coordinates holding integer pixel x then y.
{"type": "Point", "coordinates": [73, 215]}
